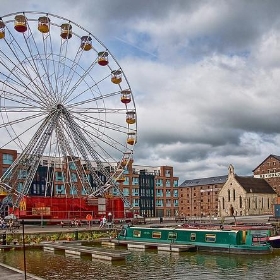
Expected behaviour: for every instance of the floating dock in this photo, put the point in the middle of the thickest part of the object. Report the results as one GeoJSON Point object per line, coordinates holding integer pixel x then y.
{"type": "Point", "coordinates": [171, 247]}
{"type": "Point", "coordinates": [80, 250]}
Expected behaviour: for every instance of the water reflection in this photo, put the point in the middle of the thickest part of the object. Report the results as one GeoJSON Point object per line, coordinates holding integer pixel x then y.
{"type": "Point", "coordinates": [147, 265]}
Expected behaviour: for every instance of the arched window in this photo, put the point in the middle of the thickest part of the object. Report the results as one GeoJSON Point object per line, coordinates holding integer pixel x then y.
{"type": "Point", "coordinates": [228, 195]}
{"type": "Point", "coordinates": [233, 194]}
{"type": "Point", "coordinates": [223, 203]}
{"type": "Point", "coordinates": [240, 201]}
{"type": "Point", "coordinates": [268, 204]}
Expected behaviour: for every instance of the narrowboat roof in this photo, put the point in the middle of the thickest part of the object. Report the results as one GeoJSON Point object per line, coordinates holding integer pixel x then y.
{"type": "Point", "coordinates": [185, 229]}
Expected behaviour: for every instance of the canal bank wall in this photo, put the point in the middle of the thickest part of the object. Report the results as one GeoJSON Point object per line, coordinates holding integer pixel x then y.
{"type": "Point", "coordinates": [8, 272]}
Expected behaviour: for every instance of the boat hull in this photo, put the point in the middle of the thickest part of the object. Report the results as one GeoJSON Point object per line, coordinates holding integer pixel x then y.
{"type": "Point", "coordinates": [274, 241]}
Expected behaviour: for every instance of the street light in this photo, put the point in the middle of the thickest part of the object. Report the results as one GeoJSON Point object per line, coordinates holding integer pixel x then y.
{"type": "Point", "coordinates": [23, 244]}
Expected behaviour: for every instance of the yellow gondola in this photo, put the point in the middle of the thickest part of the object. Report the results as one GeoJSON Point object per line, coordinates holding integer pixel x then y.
{"type": "Point", "coordinates": [131, 138]}
{"type": "Point", "coordinates": [119, 176]}
{"type": "Point", "coordinates": [130, 117]}
{"type": "Point", "coordinates": [126, 159]}
{"type": "Point", "coordinates": [116, 76]}
{"type": "Point", "coordinates": [120, 179]}
{"type": "Point", "coordinates": [44, 24]}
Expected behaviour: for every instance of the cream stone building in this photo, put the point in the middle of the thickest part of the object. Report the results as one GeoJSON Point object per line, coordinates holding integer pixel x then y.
{"type": "Point", "coordinates": [243, 196]}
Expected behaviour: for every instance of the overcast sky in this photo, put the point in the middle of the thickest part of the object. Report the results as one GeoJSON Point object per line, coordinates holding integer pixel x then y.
{"type": "Point", "coordinates": [205, 76]}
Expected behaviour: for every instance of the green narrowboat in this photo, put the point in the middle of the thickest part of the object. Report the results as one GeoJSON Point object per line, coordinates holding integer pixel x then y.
{"type": "Point", "coordinates": [214, 240]}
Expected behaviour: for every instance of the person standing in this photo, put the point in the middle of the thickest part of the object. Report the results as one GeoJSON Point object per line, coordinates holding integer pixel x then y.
{"type": "Point", "coordinates": [104, 221]}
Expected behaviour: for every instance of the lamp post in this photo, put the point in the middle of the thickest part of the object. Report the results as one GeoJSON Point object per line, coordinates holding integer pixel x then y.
{"type": "Point", "coordinates": [23, 244]}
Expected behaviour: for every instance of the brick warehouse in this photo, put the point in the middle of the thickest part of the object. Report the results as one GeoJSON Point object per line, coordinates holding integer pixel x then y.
{"type": "Point", "coordinates": [199, 197]}
{"type": "Point", "coordinates": [269, 170]}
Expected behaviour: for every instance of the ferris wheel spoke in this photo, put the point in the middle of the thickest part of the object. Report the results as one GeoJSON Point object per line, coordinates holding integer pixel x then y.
{"type": "Point", "coordinates": [106, 141]}
{"type": "Point", "coordinates": [16, 139]}
{"type": "Point", "coordinates": [20, 120]}
{"type": "Point", "coordinates": [12, 83]}
{"type": "Point", "coordinates": [93, 119]}
{"type": "Point", "coordinates": [78, 82]}
{"type": "Point", "coordinates": [91, 111]}
{"type": "Point", "coordinates": [38, 59]}
{"type": "Point", "coordinates": [78, 105]}
{"type": "Point", "coordinates": [96, 136]}
{"type": "Point", "coordinates": [67, 152]}
{"type": "Point", "coordinates": [49, 58]}
{"type": "Point", "coordinates": [80, 146]}
{"type": "Point", "coordinates": [72, 92]}
{"type": "Point", "coordinates": [70, 75]}
{"type": "Point", "coordinates": [61, 68]}
{"type": "Point", "coordinates": [26, 72]}
{"type": "Point", "coordinates": [17, 109]}
{"type": "Point", "coordinates": [18, 98]}
{"type": "Point", "coordinates": [79, 137]}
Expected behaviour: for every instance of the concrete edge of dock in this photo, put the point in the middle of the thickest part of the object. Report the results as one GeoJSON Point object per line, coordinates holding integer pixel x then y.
{"type": "Point", "coordinates": [14, 270]}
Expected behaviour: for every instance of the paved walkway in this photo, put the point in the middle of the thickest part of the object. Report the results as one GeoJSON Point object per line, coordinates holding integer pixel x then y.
{"type": "Point", "coordinates": [8, 272]}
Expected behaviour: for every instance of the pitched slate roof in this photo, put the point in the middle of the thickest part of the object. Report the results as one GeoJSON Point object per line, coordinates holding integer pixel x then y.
{"type": "Point", "coordinates": [254, 185]}
{"type": "Point", "coordinates": [204, 181]}
{"type": "Point", "coordinates": [276, 157]}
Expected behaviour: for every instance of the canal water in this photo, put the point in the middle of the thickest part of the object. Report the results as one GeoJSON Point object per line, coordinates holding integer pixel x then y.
{"type": "Point", "coordinates": [149, 264]}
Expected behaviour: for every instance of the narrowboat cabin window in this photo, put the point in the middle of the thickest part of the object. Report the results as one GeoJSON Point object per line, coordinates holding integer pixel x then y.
{"type": "Point", "coordinates": [193, 236]}
{"type": "Point", "coordinates": [210, 237]}
{"type": "Point", "coordinates": [156, 234]}
{"type": "Point", "coordinates": [172, 235]}
{"type": "Point", "coordinates": [136, 233]}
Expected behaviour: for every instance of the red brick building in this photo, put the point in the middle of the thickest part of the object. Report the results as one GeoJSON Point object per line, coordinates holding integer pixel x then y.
{"type": "Point", "coordinates": [199, 197]}
{"type": "Point", "coordinates": [6, 159]}
{"type": "Point", "coordinates": [269, 170]}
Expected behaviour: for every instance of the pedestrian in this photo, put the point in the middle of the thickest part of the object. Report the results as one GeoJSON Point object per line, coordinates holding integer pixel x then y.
{"type": "Point", "coordinates": [101, 222]}
{"type": "Point", "coordinates": [104, 221]}
{"type": "Point", "coordinates": [2, 223]}
{"type": "Point", "coordinates": [11, 223]}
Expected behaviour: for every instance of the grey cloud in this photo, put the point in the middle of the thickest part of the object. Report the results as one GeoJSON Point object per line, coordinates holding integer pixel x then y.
{"type": "Point", "coordinates": [205, 76]}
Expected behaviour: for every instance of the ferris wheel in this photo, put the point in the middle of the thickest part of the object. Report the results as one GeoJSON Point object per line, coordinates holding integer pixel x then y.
{"type": "Point", "coordinates": [65, 105]}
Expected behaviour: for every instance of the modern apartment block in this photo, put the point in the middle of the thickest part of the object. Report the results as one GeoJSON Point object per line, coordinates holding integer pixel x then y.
{"type": "Point", "coordinates": [151, 191]}
{"type": "Point", "coordinates": [7, 157]}
{"type": "Point", "coordinates": [199, 197]}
